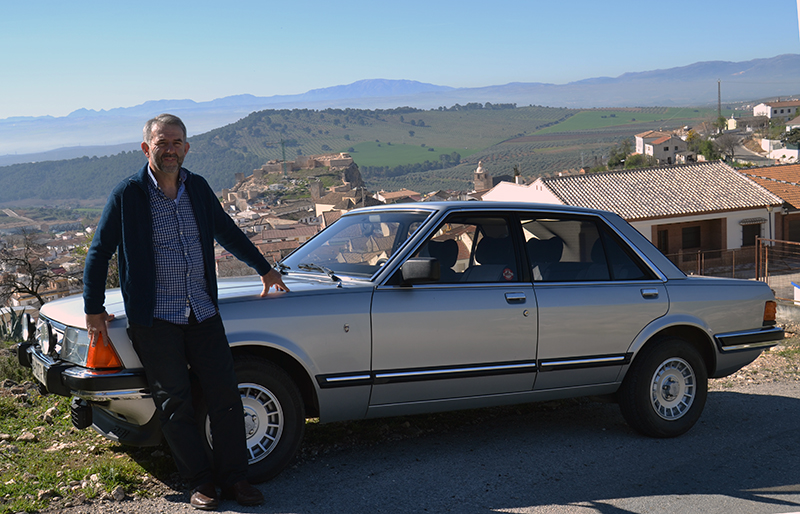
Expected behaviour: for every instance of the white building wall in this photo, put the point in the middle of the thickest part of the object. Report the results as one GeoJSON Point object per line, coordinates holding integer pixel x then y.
{"type": "Point", "coordinates": [533, 193]}
{"type": "Point", "coordinates": [762, 110]}
{"type": "Point", "coordinates": [733, 231]}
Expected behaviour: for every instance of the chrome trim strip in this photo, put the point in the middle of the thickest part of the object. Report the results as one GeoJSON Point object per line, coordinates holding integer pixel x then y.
{"type": "Point", "coordinates": [105, 396]}
{"type": "Point", "coordinates": [344, 379]}
{"type": "Point", "coordinates": [749, 339]}
{"type": "Point", "coordinates": [79, 372]}
{"type": "Point", "coordinates": [597, 360]}
{"type": "Point", "coordinates": [399, 374]}
{"type": "Point", "coordinates": [750, 346]}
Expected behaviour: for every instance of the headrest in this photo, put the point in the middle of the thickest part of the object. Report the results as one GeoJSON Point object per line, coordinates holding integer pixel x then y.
{"type": "Point", "coordinates": [445, 251]}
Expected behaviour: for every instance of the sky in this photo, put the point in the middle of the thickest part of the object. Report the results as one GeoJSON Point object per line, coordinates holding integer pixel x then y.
{"type": "Point", "coordinates": [62, 56]}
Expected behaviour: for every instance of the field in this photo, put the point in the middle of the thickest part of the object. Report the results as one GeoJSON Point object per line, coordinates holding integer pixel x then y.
{"type": "Point", "coordinates": [579, 139]}
{"type": "Point", "coordinates": [372, 153]}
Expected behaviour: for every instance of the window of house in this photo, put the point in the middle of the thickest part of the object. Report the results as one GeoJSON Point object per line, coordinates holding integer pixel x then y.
{"type": "Point", "coordinates": [690, 237]}
{"type": "Point", "coordinates": [666, 149]}
{"type": "Point", "coordinates": [663, 241]}
{"type": "Point", "coordinates": [750, 233]}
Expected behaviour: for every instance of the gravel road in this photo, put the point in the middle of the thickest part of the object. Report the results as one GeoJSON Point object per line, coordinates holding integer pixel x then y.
{"type": "Point", "coordinates": [566, 457]}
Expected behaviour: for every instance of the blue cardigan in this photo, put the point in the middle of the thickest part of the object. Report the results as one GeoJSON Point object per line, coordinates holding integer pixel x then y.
{"type": "Point", "coordinates": [126, 226]}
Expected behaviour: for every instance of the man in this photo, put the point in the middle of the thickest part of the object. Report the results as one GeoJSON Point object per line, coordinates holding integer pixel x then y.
{"type": "Point", "coordinates": [162, 221]}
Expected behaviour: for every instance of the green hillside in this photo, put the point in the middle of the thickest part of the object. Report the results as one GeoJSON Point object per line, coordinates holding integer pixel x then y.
{"type": "Point", "coordinates": [404, 147]}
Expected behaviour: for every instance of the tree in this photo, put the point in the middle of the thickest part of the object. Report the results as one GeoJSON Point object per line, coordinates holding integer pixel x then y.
{"type": "Point", "coordinates": [792, 137]}
{"type": "Point", "coordinates": [28, 274]}
{"type": "Point", "coordinates": [619, 154]}
{"type": "Point", "coordinates": [720, 124]}
{"type": "Point", "coordinates": [726, 144]}
{"type": "Point", "coordinates": [709, 150]}
{"type": "Point", "coordinates": [640, 161]}
{"type": "Point", "coordinates": [411, 133]}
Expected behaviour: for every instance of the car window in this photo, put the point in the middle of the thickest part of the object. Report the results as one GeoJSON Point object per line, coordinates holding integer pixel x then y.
{"type": "Point", "coordinates": [357, 244]}
{"type": "Point", "coordinates": [570, 250]}
{"type": "Point", "coordinates": [473, 249]}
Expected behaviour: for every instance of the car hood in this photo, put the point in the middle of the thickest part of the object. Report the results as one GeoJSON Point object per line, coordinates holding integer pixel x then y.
{"type": "Point", "coordinates": [69, 310]}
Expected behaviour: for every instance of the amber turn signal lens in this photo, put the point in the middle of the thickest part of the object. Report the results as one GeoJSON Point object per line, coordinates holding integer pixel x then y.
{"type": "Point", "coordinates": [770, 310]}
{"type": "Point", "coordinates": [102, 356]}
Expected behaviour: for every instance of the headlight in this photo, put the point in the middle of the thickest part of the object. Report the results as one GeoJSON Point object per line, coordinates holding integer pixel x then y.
{"type": "Point", "coordinates": [48, 339]}
{"type": "Point", "coordinates": [75, 346]}
{"type": "Point", "coordinates": [28, 328]}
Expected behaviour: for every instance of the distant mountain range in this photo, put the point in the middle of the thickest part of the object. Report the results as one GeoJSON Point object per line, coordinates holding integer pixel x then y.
{"type": "Point", "coordinates": [694, 85]}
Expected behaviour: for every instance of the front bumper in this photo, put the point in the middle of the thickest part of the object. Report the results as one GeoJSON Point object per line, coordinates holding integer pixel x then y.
{"type": "Point", "coordinates": [67, 379]}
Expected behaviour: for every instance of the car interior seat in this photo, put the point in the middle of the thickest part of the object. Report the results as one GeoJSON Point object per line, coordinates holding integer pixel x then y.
{"type": "Point", "coordinates": [493, 256]}
{"type": "Point", "coordinates": [446, 252]}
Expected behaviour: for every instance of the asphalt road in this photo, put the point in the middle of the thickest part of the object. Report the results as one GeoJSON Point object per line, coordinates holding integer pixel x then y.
{"type": "Point", "coordinates": [742, 457]}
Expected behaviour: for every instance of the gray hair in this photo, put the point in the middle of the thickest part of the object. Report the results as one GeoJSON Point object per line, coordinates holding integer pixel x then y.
{"type": "Point", "coordinates": [162, 119]}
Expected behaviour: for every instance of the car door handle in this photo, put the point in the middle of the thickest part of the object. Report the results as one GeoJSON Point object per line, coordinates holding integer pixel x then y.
{"type": "Point", "coordinates": [649, 293]}
{"type": "Point", "coordinates": [515, 297]}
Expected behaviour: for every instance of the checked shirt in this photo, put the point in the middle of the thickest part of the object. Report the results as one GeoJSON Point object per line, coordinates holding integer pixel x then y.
{"type": "Point", "coordinates": [180, 281]}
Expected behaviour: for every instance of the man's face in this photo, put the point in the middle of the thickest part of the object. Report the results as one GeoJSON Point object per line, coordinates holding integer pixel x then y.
{"type": "Point", "coordinates": [167, 149]}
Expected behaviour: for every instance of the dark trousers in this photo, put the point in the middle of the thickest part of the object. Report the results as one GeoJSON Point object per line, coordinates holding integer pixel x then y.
{"type": "Point", "coordinates": [169, 354]}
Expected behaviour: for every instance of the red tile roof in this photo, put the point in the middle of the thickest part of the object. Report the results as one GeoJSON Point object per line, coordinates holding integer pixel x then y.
{"type": "Point", "coordinates": [782, 180]}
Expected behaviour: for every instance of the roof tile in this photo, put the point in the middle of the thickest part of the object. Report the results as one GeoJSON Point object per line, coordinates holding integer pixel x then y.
{"type": "Point", "coordinates": [661, 192]}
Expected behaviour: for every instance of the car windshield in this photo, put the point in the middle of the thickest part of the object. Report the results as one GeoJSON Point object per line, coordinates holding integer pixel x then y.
{"type": "Point", "coordinates": [356, 244]}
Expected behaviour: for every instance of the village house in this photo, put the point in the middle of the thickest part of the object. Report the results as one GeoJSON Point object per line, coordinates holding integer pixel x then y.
{"type": "Point", "coordinates": [783, 181]}
{"type": "Point", "coordinates": [681, 209]}
{"type": "Point", "coordinates": [401, 196]}
{"type": "Point", "coordinates": [781, 111]}
{"type": "Point", "coordinates": [666, 147]}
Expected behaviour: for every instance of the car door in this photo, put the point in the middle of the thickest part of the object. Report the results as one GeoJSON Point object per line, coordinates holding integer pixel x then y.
{"type": "Point", "coordinates": [594, 296]}
{"type": "Point", "coordinates": [472, 333]}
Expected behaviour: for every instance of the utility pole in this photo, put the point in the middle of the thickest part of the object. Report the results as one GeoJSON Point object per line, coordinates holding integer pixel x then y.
{"type": "Point", "coordinates": [719, 99]}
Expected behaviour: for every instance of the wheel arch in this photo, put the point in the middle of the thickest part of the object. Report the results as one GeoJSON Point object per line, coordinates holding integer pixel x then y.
{"type": "Point", "coordinates": [292, 367]}
{"type": "Point", "coordinates": [691, 332]}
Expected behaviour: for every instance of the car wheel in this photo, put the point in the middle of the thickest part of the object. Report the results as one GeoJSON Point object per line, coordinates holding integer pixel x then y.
{"type": "Point", "coordinates": [665, 389]}
{"type": "Point", "coordinates": [274, 417]}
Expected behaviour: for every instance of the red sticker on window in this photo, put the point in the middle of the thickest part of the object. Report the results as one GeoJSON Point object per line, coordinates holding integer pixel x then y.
{"type": "Point", "coordinates": [508, 274]}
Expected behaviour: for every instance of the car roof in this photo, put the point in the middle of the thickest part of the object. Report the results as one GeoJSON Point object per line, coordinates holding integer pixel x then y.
{"type": "Point", "coordinates": [479, 206]}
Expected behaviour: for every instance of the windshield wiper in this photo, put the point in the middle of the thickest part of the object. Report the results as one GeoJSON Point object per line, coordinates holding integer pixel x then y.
{"type": "Point", "coordinates": [282, 267]}
{"type": "Point", "coordinates": [317, 267]}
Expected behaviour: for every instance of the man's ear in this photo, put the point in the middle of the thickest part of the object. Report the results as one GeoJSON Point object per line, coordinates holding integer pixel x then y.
{"type": "Point", "coordinates": [186, 150]}
{"type": "Point", "coordinates": [146, 149]}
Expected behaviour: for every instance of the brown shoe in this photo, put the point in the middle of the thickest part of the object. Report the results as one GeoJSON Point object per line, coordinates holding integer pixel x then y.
{"type": "Point", "coordinates": [205, 497]}
{"type": "Point", "coordinates": [243, 493]}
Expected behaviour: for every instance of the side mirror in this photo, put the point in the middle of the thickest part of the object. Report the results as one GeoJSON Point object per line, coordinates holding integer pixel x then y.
{"type": "Point", "coordinates": [420, 270]}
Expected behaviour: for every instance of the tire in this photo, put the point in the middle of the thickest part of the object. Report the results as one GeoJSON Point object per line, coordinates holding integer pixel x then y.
{"type": "Point", "coordinates": [665, 389]}
{"type": "Point", "coordinates": [274, 417]}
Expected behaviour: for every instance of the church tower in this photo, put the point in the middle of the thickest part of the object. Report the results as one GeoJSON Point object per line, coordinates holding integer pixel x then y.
{"type": "Point", "coordinates": [481, 179]}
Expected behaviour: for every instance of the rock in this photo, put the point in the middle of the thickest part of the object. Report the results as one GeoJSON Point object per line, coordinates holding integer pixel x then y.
{"type": "Point", "coordinates": [5, 437]}
{"type": "Point", "coordinates": [47, 494]}
{"type": "Point", "coordinates": [27, 437]}
{"type": "Point", "coordinates": [118, 493]}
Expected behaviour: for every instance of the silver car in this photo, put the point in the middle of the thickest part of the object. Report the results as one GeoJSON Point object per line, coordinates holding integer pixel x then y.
{"type": "Point", "coordinates": [425, 307]}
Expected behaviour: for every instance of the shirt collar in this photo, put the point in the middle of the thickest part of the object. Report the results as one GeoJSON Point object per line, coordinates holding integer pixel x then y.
{"type": "Point", "coordinates": [181, 180]}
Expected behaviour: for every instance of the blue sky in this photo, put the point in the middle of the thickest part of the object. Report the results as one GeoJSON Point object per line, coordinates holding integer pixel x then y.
{"type": "Point", "coordinates": [61, 56]}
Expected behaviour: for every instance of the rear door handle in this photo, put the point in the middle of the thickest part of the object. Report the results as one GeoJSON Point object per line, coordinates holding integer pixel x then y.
{"type": "Point", "coordinates": [649, 293]}
{"type": "Point", "coordinates": [515, 297]}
